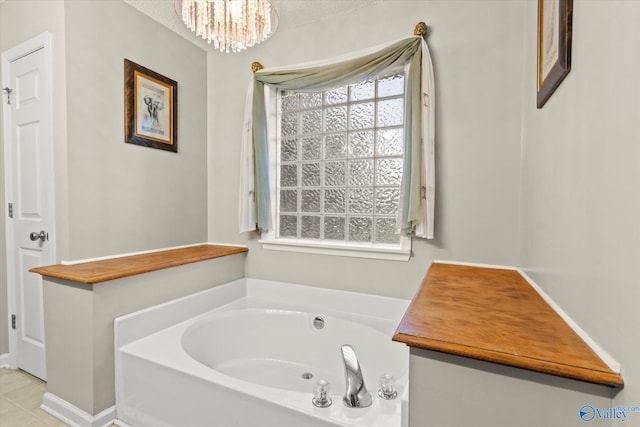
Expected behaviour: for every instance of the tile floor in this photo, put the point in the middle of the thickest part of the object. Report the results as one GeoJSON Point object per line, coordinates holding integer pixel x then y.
{"type": "Point", "coordinates": [20, 399]}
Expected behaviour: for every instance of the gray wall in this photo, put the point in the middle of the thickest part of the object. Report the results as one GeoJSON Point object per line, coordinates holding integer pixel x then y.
{"type": "Point", "coordinates": [453, 391]}
{"type": "Point", "coordinates": [125, 197]}
{"type": "Point", "coordinates": [581, 168]}
{"type": "Point", "coordinates": [477, 53]}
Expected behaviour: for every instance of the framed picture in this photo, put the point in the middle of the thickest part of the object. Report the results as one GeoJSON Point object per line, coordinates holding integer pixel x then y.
{"type": "Point", "coordinates": [151, 108]}
{"type": "Point", "coordinates": [554, 46]}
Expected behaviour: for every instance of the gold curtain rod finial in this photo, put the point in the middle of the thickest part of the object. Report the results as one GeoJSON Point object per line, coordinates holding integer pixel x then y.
{"type": "Point", "coordinates": [420, 29]}
{"type": "Point", "coordinates": [256, 66]}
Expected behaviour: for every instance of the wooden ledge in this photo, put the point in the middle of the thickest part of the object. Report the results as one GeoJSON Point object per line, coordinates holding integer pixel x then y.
{"type": "Point", "coordinates": [495, 315]}
{"type": "Point", "coordinates": [93, 272]}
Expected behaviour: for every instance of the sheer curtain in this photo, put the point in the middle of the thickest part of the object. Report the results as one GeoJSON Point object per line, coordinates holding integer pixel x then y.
{"type": "Point", "coordinates": [416, 207]}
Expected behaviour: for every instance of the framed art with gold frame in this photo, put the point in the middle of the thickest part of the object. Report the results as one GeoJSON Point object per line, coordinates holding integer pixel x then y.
{"type": "Point", "coordinates": [151, 108]}
{"type": "Point", "coordinates": [554, 46]}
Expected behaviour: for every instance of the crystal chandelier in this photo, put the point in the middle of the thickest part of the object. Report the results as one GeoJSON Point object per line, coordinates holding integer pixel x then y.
{"type": "Point", "coordinates": [231, 25]}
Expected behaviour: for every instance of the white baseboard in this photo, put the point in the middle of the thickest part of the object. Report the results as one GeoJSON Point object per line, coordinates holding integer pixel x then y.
{"type": "Point", "coordinates": [4, 360]}
{"type": "Point", "coordinates": [72, 415]}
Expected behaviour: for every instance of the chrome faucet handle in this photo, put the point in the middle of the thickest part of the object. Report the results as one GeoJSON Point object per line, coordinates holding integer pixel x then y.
{"type": "Point", "coordinates": [321, 397]}
{"type": "Point", "coordinates": [387, 389]}
{"type": "Point", "coordinates": [356, 395]}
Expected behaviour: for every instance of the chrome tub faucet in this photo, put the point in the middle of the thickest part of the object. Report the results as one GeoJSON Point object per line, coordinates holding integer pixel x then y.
{"type": "Point", "coordinates": [356, 395]}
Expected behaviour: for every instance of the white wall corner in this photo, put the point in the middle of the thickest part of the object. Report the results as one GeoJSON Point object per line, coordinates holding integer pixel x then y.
{"type": "Point", "coordinates": [74, 416]}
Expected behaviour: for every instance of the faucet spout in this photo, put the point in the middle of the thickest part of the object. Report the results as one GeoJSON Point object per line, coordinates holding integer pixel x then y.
{"type": "Point", "coordinates": [356, 395]}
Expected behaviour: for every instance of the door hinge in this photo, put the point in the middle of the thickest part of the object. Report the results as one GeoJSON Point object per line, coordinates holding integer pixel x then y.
{"type": "Point", "coordinates": [10, 210]}
{"type": "Point", "coordinates": [8, 92]}
{"type": "Point", "coordinates": [13, 321]}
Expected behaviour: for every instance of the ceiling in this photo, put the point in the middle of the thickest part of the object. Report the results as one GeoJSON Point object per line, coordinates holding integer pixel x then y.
{"type": "Point", "coordinates": [291, 13]}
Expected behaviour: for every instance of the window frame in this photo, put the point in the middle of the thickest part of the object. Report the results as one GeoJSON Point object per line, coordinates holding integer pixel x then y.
{"type": "Point", "coordinates": [270, 239]}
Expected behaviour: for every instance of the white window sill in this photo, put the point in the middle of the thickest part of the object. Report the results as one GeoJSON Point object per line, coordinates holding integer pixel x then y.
{"type": "Point", "coordinates": [390, 253]}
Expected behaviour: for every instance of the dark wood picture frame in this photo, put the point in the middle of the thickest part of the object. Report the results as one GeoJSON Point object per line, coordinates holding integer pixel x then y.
{"type": "Point", "coordinates": [151, 108]}
{"type": "Point", "coordinates": [554, 46]}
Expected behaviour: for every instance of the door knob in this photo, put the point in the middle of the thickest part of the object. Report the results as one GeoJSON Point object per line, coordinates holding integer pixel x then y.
{"type": "Point", "coordinates": [42, 236]}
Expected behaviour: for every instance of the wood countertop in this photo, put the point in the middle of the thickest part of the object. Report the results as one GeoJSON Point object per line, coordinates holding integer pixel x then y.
{"type": "Point", "coordinates": [495, 315]}
{"type": "Point", "coordinates": [93, 272]}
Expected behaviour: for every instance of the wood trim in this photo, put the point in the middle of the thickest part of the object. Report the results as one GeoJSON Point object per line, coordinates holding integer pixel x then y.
{"type": "Point", "coordinates": [495, 315]}
{"type": "Point", "coordinates": [93, 272]}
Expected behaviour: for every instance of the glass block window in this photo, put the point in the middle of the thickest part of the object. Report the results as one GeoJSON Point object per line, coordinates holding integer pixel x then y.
{"type": "Point", "coordinates": [340, 162]}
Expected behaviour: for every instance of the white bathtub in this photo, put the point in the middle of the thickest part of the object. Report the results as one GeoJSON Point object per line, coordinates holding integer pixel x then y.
{"type": "Point", "coordinates": [248, 354]}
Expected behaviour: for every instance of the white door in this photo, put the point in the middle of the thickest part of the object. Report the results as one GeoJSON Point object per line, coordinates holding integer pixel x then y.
{"type": "Point", "coordinates": [29, 193]}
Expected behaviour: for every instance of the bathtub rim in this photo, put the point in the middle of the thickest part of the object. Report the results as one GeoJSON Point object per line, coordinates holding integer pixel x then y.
{"type": "Point", "coordinates": [129, 328]}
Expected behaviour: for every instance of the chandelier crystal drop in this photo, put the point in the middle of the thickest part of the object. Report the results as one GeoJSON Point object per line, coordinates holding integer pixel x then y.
{"type": "Point", "coordinates": [230, 25]}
